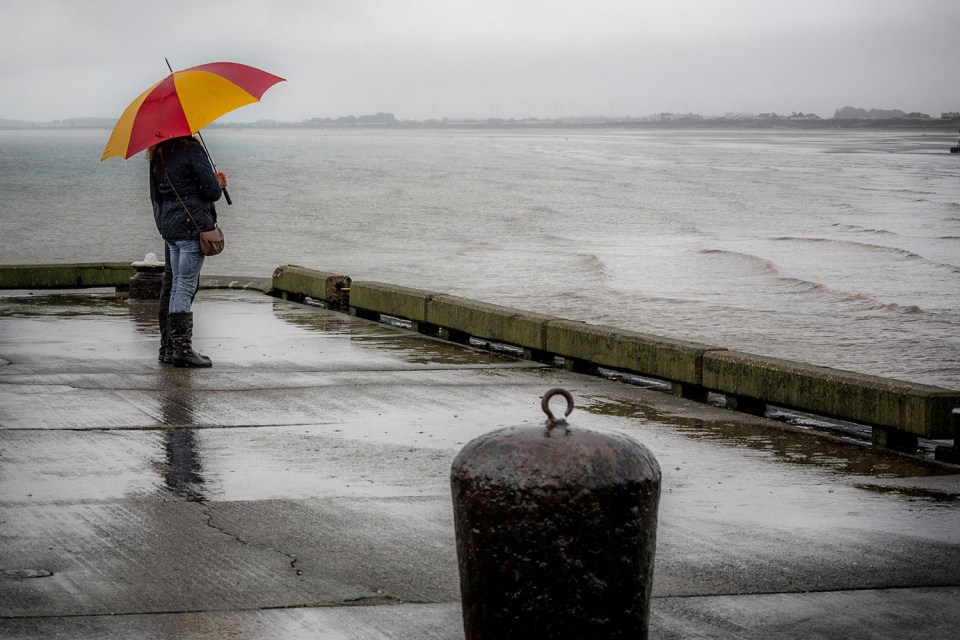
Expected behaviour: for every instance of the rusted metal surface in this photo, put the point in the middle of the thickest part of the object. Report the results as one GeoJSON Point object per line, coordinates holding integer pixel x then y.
{"type": "Point", "coordinates": [556, 532]}
{"type": "Point", "coordinates": [146, 285]}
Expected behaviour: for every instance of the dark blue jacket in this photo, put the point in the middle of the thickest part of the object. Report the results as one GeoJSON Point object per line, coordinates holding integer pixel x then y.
{"type": "Point", "coordinates": [181, 167]}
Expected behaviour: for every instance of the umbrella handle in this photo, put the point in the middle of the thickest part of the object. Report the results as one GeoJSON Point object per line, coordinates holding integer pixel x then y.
{"type": "Point", "coordinates": [213, 165]}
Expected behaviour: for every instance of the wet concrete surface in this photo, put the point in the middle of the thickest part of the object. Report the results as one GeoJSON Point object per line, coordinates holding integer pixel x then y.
{"type": "Point", "coordinates": [300, 488]}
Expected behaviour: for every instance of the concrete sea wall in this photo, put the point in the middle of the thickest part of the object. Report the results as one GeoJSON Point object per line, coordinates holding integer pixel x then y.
{"type": "Point", "coordinates": [898, 411]}
{"type": "Point", "coordinates": [66, 276]}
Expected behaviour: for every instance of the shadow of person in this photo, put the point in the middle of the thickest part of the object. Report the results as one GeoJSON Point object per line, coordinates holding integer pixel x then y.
{"type": "Point", "coordinates": [144, 313]}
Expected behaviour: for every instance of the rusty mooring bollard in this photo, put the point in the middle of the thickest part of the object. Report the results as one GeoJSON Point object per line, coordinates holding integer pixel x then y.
{"type": "Point", "coordinates": [556, 531]}
{"type": "Point", "coordinates": [146, 283]}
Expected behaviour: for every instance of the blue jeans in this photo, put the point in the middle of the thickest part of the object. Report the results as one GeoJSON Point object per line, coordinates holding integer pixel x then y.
{"type": "Point", "coordinates": [186, 262]}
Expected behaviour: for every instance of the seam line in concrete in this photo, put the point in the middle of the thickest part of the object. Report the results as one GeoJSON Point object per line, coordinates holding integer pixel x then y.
{"type": "Point", "coordinates": [392, 602]}
{"type": "Point", "coordinates": [749, 594]}
{"type": "Point", "coordinates": [345, 604]}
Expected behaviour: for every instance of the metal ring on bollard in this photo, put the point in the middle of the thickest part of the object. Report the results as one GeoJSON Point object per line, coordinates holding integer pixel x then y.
{"type": "Point", "coordinates": [552, 421]}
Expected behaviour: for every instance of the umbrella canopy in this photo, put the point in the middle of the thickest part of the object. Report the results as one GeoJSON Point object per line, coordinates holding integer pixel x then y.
{"type": "Point", "coordinates": [183, 103]}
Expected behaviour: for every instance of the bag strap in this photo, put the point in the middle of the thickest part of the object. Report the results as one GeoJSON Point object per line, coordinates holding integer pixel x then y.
{"type": "Point", "coordinates": [170, 182]}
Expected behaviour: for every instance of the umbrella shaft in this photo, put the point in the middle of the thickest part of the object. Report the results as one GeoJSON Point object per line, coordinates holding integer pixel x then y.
{"type": "Point", "coordinates": [213, 165]}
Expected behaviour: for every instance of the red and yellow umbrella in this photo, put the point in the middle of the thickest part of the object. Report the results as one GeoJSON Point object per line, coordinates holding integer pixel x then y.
{"type": "Point", "coordinates": [183, 103]}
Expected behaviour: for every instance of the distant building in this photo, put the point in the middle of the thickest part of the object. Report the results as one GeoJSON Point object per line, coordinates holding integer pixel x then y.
{"type": "Point", "coordinates": [950, 115]}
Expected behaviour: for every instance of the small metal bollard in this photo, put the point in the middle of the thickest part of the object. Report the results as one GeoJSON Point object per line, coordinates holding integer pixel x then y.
{"type": "Point", "coordinates": [556, 532]}
{"type": "Point", "coordinates": [146, 283]}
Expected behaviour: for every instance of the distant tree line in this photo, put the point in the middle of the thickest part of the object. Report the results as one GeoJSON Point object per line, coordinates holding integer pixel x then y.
{"type": "Point", "coordinates": [378, 118]}
{"type": "Point", "coordinates": [855, 113]}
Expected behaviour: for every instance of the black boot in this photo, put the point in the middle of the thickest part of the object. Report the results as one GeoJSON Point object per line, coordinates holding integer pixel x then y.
{"type": "Point", "coordinates": [165, 356]}
{"type": "Point", "coordinates": [181, 337]}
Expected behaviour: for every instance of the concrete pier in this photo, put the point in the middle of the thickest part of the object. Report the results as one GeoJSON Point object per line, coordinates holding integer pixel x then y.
{"type": "Point", "coordinates": [899, 412]}
{"type": "Point", "coordinates": [300, 488]}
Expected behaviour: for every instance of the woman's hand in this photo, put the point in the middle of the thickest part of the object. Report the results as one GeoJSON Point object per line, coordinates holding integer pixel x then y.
{"type": "Point", "coordinates": [221, 178]}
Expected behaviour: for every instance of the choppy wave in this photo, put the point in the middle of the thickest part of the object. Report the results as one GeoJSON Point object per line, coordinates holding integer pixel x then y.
{"type": "Point", "coordinates": [477, 248]}
{"type": "Point", "coordinates": [861, 301]}
{"type": "Point", "coordinates": [542, 209]}
{"type": "Point", "coordinates": [913, 191]}
{"type": "Point", "coordinates": [858, 229]}
{"type": "Point", "coordinates": [765, 265]}
{"type": "Point", "coordinates": [906, 253]}
{"type": "Point", "coordinates": [554, 239]}
{"type": "Point", "coordinates": [851, 243]}
{"type": "Point", "coordinates": [594, 264]}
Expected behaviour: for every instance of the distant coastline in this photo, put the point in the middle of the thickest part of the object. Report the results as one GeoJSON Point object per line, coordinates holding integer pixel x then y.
{"type": "Point", "coordinates": [924, 124]}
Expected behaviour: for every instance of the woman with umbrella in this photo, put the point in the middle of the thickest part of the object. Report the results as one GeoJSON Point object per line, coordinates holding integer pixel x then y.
{"type": "Point", "coordinates": [184, 183]}
{"type": "Point", "coordinates": [183, 190]}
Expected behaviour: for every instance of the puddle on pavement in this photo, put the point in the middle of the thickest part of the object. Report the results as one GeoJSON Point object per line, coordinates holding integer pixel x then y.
{"type": "Point", "coordinates": [419, 350]}
{"type": "Point", "coordinates": [415, 349]}
{"type": "Point", "coordinates": [783, 444]}
{"type": "Point", "coordinates": [910, 492]}
{"type": "Point", "coordinates": [314, 318]}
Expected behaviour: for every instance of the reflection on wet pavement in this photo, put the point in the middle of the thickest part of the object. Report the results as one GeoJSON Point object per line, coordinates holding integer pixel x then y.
{"type": "Point", "coordinates": [184, 474]}
{"type": "Point", "coordinates": [184, 470]}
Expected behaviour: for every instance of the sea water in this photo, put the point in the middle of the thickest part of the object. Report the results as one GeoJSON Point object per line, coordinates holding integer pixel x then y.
{"type": "Point", "coordinates": [834, 247]}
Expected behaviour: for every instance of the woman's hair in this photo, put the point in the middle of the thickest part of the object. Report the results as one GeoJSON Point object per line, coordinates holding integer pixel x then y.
{"type": "Point", "coordinates": [167, 144]}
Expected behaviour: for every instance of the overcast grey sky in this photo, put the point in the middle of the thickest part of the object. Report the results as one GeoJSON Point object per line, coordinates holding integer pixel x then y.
{"type": "Point", "coordinates": [489, 58]}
